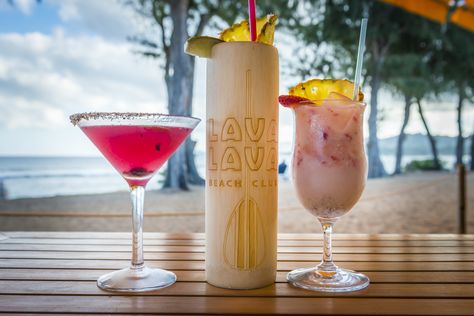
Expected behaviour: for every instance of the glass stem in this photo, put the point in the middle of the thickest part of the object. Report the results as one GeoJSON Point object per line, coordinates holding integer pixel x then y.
{"type": "Point", "coordinates": [137, 194]}
{"type": "Point", "coordinates": [327, 264]}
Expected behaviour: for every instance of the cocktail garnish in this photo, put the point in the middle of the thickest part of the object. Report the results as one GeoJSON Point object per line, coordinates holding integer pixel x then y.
{"type": "Point", "coordinates": [317, 90]}
{"type": "Point", "coordinates": [291, 100]}
{"type": "Point", "coordinates": [240, 32]}
{"type": "Point", "coordinates": [201, 46]}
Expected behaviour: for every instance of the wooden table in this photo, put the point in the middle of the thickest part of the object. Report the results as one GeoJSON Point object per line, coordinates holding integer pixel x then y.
{"type": "Point", "coordinates": [53, 272]}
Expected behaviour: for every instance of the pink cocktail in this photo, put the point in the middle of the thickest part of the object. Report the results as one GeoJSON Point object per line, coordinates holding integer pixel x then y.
{"type": "Point", "coordinates": [136, 151]}
{"type": "Point", "coordinates": [137, 145]}
{"type": "Point", "coordinates": [329, 174]}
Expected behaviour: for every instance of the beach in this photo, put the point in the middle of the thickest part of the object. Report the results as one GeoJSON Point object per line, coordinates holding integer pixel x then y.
{"type": "Point", "coordinates": [412, 203]}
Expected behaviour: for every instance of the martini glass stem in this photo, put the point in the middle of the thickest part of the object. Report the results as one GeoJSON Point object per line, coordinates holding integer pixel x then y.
{"type": "Point", "coordinates": [327, 265]}
{"type": "Point", "coordinates": [137, 194]}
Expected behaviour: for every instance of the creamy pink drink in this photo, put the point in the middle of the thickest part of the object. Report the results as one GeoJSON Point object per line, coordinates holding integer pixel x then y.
{"type": "Point", "coordinates": [329, 164]}
{"type": "Point", "coordinates": [329, 170]}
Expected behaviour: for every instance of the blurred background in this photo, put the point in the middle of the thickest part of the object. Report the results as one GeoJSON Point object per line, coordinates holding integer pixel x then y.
{"type": "Point", "coordinates": [59, 57]}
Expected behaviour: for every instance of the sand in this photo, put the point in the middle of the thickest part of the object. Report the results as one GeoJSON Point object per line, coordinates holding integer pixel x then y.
{"type": "Point", "coordinates": [413, 203]}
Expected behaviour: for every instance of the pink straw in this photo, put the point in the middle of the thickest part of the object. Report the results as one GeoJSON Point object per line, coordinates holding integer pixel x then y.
{"type": "Point", "coordinates": [252, 21]}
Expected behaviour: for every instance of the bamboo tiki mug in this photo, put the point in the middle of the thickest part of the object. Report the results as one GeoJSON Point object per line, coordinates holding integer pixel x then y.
{"type": "Point", "coordinates": [242, 161]}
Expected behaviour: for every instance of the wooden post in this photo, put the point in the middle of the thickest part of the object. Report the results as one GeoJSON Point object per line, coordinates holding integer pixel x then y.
{"type": "Point", "coordinates": [3, 191]}
{"type": "Point", "coordinates": [461, 170]}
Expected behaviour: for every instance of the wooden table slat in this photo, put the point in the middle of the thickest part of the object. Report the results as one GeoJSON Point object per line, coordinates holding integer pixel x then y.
{"type": "Point", "coordinates": [199, 265]}
{"type": "Point", "coordinates": [194, 236]}
{"type": "Point", "coordinates": [235, 305]}
{"type": "Point", "coordinates": [201, 249]}
{"type": "Point", "coordinates": [187, 289]}
{"type": "Point", "coordinates": [199, 276]}
{"type": "Point", "coordinates": [281, 243]}
{"type": "Point", "coordinates": [189, 256]}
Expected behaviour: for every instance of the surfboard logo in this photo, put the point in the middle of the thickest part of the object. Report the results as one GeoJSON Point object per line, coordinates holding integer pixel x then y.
{"type": "Point", "coordinates": [244, 241]}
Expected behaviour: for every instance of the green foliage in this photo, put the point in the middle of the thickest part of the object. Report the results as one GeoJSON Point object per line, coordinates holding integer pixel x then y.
{"type": "Point", "coordinates": [214, 15]}
{"type": "Point", "coordinates": [422, 165]}
{"type": "Point", "coordinates": [338, 26]}
{"type": "Point", "coordinates": [454, 57]}
{"type": "Point", "coordinates": [410, 68]}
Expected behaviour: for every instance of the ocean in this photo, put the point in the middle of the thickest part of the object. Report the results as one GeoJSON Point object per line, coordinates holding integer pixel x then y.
{"type": "Point", "coordinates": [29, 177]}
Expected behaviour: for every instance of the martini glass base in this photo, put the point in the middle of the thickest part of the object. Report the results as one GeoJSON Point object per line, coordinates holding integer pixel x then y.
{"type": "Point", "coordinates": [341, 280]}
{"type": "Point", "coordinates": [136, 280]}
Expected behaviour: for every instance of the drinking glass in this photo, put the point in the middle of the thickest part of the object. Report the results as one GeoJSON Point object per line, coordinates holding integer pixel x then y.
{"type": "Point", "coordinates": [329, 173]}
{"type": "Point", "coordinates": [137, 145]}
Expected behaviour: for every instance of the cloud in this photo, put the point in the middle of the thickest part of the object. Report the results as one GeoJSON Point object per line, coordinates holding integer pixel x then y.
{"type": "Point", "coordinates": [44, 78]}
{"type": "Point", "coordinates": [86, 64]}
{"type": "Point", "coordinates": [25, 6]}
{"type": "Point", "coordinates": [110, 19]}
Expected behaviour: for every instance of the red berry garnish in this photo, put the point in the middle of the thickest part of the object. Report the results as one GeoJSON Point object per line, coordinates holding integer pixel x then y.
{"type": "Point", "coordinates": [290, 101]}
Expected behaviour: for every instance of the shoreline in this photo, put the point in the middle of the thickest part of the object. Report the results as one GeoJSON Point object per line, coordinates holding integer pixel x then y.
{"type": "Point", "coordinates": [412, 203]}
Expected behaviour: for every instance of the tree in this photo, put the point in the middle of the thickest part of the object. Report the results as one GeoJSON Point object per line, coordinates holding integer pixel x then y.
{"type": "Point", "coordinates": [402, 135]}
{"type": "Point", "coordinates": [472, 152]}
{"type": "Point", "coordinates": [457, 67]}
{"type": "Point", "coordinates": [432, 141]}
{"type": "Point", "coordinates": [337, 32]}
{"type": "Point", "coordinates": [173, 22]}
{"type": "Point", "coordinates": [409, 72]}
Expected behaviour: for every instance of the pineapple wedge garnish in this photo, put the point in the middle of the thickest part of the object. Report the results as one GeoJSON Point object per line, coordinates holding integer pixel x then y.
{"type": "Point", "coordinates": [201, 46]}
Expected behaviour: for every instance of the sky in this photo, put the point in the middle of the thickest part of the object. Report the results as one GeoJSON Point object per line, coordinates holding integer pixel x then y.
{"type": "Point", "coordinates": [61, 57]}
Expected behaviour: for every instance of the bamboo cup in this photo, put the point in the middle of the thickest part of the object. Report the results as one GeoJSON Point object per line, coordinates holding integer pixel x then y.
{"type": "Point", "coordinates": [242, 161]}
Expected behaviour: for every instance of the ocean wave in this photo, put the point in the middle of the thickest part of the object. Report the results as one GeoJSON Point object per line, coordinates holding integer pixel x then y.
{"type": "Point", "coordinates": [29, 174]}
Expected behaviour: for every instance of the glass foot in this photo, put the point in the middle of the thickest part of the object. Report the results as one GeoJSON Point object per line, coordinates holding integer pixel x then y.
{"type": "Point", "coordinates": [136, 280]}
{"type": "Point", "coordinates": [341, 280]}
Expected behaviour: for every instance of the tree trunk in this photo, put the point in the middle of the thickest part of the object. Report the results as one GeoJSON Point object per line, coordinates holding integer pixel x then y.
{"type": "Point", "coordinates": [401, 137]}
{"type": "Point", "coordinates": [192, 172]}
{"type": "Point", "coordinates": [376, 168]}
{"type": "Point", "coordinates": [434, 149]}
{"type": "Point", "coordinates": [472, 152]}
{"type": "Point", "coordinates": [193, 175]}
{"type": "Point", "coordinates": [179, 94]}
{"type": "Point", "coordinates": [460, 139]}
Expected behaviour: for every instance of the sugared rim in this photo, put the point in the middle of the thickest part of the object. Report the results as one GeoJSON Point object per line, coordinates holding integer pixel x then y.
{"type": "Point", "coordinates": [109, 116]}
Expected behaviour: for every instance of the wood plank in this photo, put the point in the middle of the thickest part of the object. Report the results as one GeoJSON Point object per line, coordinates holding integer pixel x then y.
{"type": "Point", "coordinates": [189, 256]}
{"type": "Point", "coordinates": [83, 275]}
{"type": "Point", "coordinates": [281, 243]}
{"type": "Point", "coordinates": [194, 249]}
{"type": "Point", "coordinates": [95, 264]}
{"type": "Point", "coordinates": [101, 235]}
{"type": "Point", "coordinates": [199, 265]}
{"type": "Point", "coordinates": [67, 314]}
{"type": "Point", "coordinates": [283, 236]}
{"type": "Point", "coordinates": [187, 289]}
{"type": "Point", "coordinates": [235, 305]}
{"type": "Point", "coordinates": [125, 248]}
{"type": "Point", "coordinates": [310, 236]}
{"type": "Point", "coordinates": [199, 276]}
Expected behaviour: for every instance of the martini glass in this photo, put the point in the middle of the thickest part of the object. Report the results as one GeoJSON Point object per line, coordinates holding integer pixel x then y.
{"type": "Point", "coordinates": [329, 174]}
{"type": "Point", "coordinates": [137, 145]}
